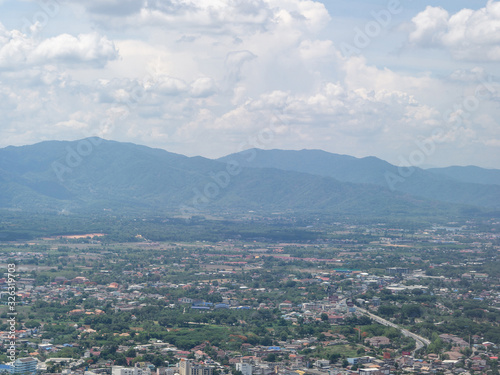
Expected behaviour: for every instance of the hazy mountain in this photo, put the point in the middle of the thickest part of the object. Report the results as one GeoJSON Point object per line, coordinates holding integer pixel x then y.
{"type": "Point", "coordinates": [470, 174]}
{"type": "Point", "coordinates": [371, 170]}
{"type": "Point", "coordinates": [95, 174]}
{"type": "Point", "coordinates": [99, 173]}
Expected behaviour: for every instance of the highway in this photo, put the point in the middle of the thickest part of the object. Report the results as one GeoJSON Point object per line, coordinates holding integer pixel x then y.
{"type": "Point", "coordinates": [420, 341]}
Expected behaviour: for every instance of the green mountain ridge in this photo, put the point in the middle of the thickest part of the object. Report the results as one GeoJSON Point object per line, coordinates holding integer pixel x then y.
{"type": "Point", "coordinates": [95, 174]}
{"type": "Point", "coordinates": [471, 174]}
{"type": "Point", "coordinates": [433, 185]}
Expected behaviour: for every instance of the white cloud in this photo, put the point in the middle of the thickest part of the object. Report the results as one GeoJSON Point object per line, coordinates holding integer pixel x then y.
{"type": "Point", "coordinates": [430, 25]}
{"type": "Point", "coordinates": [115, 7]}
{"type": "Point", "coordinates": [231, 17]}
{"type": "Point", "coordinates": [19, 51]}
{"type": "Point", "coordinates": [203, 87]}
{"type": "Point", "coordinates": [467, 34]}
{"type": "Point", "coordinates": [85, 48]}
{"type": "Point", "coordinates": [316, 50]}
{"type": "Point", "coordinates": [13, 47]}
{"type": "Point", "coordinates": [171, 86]}
{"type": "Point", "coordinates": [234, 64]}
{"type": "Point", "coordinates": [205, 77]}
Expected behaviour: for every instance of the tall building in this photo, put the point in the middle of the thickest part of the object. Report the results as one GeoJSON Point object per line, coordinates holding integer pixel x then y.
{"type": "Point", "coordinates": [245, 368]}
{"type": "Point", "coordinates": [186, 367]}
{"type": "Point", "coordinates": [24, 366]}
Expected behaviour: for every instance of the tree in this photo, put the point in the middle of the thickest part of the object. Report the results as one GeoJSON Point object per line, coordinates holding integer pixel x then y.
{"type": "Point", "coordinates": [334, 357]}
{"type": "Point", "coordinates": [32, 324]}
{"type": "Point", "coordinates": [271, 357]}
{"type": "Point", "coordinates": [412, 311]}
{"type": "Point", "coordinates": [131, 353]}
{"type": "Point", "coordinates": [387, 310]}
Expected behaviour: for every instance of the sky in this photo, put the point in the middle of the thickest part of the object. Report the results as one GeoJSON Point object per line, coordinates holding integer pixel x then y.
{"type": "Point", "coordinates": [411, 82]}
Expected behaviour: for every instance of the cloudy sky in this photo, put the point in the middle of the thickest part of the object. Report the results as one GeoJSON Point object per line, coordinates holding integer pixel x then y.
{"type": "Point", "coordinates": [411, 82]}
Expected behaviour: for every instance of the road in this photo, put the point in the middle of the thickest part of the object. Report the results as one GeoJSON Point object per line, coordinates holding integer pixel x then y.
{"type": "Point", "coordinates": [420, 341]}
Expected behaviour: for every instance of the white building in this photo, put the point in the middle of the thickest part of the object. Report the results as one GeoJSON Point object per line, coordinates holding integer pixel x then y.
{"type": "Point", "coordinates": [120, 370]}
{"type": "Point", "coordinates": [322, 363]}
{"type": "Point", "coordinates": [24, 366]}
{"type": "Point", "coordinates": [245, 368]}
{"type": "Point", "coordinates": [165, 371]}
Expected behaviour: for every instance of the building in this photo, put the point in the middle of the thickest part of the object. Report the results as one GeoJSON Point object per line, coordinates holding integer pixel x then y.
{"type": "Point", "coordinates": [24, 366]}
{"type": "Point", "coordinates": [322, 364]}
{"type": "Point", "coordinates": [285, 306]}
{"type": "Point", "coordinates": [5, 369]}
{"type": "Point", "coordinates": [245, 368]}
{"type": "Point", "coordinates": [397, 270]}
{"type": "Point", "coordinates": [360, 360]}
{"type": "Point", "coordinates": [120, 370]}
{"type": "Point", "coordinates": [374, 371]}
{"type": "Point", "coordinates": [378, 341]}
{"type": "Point", "coordinates": [184, 367]}
{"type": "Point", "coordinates": [187, 367]}
{"type": "Point", "coordinates": [454, 340]}
{"type": "Point", "coordinates": [165, 371]}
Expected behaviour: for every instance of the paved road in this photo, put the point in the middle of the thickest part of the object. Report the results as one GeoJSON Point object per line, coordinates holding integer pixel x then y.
{"type": "Point", "coordinates": [420, 341]}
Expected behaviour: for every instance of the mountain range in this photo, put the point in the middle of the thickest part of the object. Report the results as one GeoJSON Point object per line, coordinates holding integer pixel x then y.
{"type": "Point", "coordinates": [465, 185]}
{"type": "Point", "coordinates": [95, 174]}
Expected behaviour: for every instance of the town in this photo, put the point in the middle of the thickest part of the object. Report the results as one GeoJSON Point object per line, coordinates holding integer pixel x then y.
{"type": "Point", "coordinates": [367, 299]}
